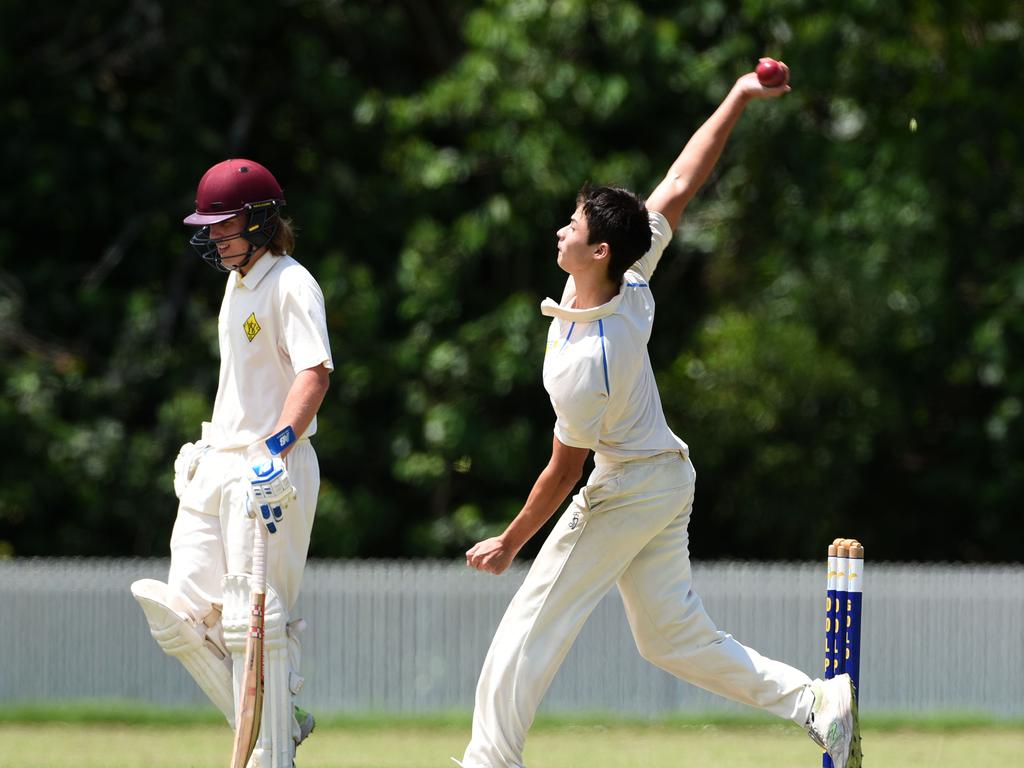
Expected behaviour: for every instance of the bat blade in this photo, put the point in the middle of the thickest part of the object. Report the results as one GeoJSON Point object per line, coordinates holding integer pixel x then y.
{"type": "Point", "coordinates": [250, 709]}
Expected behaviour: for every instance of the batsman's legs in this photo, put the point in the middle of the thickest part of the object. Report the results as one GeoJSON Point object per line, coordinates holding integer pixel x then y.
{"type": "Point", "coordinates": [203, 656]}
{"type": "Point", "coordinates": [286, 559]}
{"type": "Point", "coordinates": [278, 728]}
{"type": "Point", "coordinates": [184, 615]}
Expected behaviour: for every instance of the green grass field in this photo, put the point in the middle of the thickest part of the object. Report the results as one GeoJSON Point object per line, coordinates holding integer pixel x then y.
{"type": "Point", "coordinates": [94, 740]}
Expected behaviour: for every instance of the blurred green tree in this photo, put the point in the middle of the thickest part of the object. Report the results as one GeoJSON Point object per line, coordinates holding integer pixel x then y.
{"type": "Point", "coordinates": [839, 315]}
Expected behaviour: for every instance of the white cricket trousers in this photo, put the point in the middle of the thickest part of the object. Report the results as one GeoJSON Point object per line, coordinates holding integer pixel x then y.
{"type": "Point", "coordinates": [627, 526]}
{"type": "Point", "coordinates": [213, 533]}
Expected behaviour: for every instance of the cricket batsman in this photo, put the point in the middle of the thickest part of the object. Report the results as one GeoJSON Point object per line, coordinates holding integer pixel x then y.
{"type": "Point", "coordinates": [254, 459]}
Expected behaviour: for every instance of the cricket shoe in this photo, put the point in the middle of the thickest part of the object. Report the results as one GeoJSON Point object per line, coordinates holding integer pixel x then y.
{"type": "Point", "coordinates": [306, 723]}
{"type": "Point", "coordinates": [834, 724]}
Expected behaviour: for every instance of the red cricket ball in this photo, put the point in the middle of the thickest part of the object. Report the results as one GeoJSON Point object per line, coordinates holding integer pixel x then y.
{"type": "Point", "coordinates": [770, 73]}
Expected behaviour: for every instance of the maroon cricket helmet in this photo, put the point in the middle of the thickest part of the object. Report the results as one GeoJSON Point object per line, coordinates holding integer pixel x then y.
{"type": "Point", "coordinates": [231, 187]}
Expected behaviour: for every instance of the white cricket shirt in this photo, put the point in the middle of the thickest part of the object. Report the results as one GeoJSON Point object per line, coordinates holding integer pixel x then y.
{"type": "Point", "coordinates": [597, 370]}
{"type": "Point", "coordinates": [272, 325]}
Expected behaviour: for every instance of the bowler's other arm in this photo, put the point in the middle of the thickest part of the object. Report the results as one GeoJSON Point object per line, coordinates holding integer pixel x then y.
{"type": "Point", "coordinates": [556, 480]}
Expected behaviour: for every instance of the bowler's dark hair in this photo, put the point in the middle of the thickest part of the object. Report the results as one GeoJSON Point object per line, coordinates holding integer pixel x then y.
{"type": "Point", "coordinates": [618, 217]}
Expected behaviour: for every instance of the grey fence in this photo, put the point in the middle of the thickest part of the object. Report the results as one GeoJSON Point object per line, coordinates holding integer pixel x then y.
{"type": "Point", "coordinates": [410, 637]}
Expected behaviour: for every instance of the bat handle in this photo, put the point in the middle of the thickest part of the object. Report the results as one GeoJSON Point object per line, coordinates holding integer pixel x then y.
{"type": "Point", "coordinates": [259, 558]}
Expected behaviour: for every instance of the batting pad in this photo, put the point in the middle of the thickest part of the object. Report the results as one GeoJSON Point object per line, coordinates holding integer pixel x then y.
{"type": "Point", "coordinates": [188, 642]}
{"type": "Point", "coordinates": [278, 727]}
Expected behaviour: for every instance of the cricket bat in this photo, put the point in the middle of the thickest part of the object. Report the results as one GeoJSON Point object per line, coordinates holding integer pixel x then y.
{"type": "Point", "coordinates": [250, 705]}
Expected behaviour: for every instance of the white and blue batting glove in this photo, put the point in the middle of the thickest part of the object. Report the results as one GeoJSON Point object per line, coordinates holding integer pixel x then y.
{"type": "Point", "coordinates": [271, 490]}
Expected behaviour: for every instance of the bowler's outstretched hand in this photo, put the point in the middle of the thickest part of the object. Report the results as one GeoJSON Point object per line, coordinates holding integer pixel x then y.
{"type": "Point", "coordinates": [750, 86]}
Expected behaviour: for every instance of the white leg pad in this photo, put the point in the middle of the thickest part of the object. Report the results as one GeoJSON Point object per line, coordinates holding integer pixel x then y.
{"type": "Point", "coordinates": [295, 680]}
{"type": "Point", "coordinates": [194, 644]}
{"type": "Point", "coordinates": [278, 727]}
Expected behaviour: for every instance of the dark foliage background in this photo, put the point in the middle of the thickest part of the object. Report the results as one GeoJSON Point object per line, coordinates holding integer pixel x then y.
{"type": "Point", "coordinates": [839, 316]}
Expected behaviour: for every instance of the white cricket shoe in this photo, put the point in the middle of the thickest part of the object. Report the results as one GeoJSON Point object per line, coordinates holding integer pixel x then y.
{"type": "Point", "coordinates": [834, 724]}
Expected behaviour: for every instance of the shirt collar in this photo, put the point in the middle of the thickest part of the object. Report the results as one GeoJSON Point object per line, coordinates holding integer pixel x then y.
{"type": "Point", "coordinates": [259, 270]}
{"type": "Point", "coordinates": [565, 310]}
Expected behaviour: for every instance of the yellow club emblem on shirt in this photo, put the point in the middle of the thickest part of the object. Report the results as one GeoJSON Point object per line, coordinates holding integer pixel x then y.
{"type": "Point", "coordinates": [251, 327]}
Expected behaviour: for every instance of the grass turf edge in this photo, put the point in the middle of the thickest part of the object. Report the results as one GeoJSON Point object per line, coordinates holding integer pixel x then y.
{"type": "Point", "coordinates": [129, 712]}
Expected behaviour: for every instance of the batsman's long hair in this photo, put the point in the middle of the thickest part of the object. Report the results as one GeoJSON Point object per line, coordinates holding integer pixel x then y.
{"type": "Point", "coordinates": [618, 217]}
{"type": "Point", "coordinates": [283, 240]}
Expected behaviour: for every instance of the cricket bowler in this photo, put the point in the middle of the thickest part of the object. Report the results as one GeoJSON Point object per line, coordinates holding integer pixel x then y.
{"type": "Point", "coordinates": [628, 524]}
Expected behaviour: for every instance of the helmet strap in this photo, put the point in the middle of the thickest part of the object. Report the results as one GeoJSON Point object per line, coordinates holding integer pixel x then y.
{"type": "Point", "coordinates": [248, 256]}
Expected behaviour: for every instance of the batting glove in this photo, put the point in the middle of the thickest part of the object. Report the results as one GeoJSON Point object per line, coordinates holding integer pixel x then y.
{"type": "Point", "coordinates": [271, 488]}
{"type": "Point", "coordinates": [186, 464]}
{"type": "Point", "coordinates": [272, 492]}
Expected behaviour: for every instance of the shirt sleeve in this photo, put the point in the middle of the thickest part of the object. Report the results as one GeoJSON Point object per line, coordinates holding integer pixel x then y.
{"type": "Point", "coordinates": [304, 322]}
{"type": "Point", "coordinates": [661, 234]}
{"type": "Point", "coordinates": [580, 415]}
